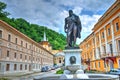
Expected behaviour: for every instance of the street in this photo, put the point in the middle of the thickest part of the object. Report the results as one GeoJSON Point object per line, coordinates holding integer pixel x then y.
{"type": "Point", "coordinates": [32, 76]}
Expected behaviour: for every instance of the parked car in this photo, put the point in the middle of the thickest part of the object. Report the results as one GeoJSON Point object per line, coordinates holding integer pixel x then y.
{"type": "Point", "coordinates": [48, 68]}
{"type": "Point", "coordinates": [114, 72]}
{"type": "Point", "coordinates": [53, 68]}
{"type": "Point", "coordinates": [44, 69]}
{"type": "Point", "coordinates": [56, 66]}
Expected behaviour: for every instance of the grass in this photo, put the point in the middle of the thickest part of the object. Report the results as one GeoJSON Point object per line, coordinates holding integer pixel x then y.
{"type": "Point", "coordinates": [4, 79]}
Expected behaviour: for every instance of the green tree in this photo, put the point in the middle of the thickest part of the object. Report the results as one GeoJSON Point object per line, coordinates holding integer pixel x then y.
{"type": "Point", "coordinates": [2, 12]}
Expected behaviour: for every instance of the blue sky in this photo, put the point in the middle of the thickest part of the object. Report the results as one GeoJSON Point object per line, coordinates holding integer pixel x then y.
{"type": "Point", "coordinates": [51, 13]}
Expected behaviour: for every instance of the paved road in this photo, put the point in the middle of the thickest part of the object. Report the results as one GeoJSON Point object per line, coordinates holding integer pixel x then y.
{"type": "Point", "coordinates": [32, 76]}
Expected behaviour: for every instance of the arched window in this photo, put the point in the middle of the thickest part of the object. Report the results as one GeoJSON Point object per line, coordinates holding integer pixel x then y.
{"type": "Point", "coordinates": [60, 61]}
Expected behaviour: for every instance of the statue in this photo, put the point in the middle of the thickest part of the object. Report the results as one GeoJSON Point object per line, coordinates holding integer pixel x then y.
{"type": "Point", "coordinates": [72, 28]}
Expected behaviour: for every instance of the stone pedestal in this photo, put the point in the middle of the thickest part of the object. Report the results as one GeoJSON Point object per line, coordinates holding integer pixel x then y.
{"type": "Point", "coordinates": [73, 52]}
{"type": "Point", "coordinates": [73, 66]}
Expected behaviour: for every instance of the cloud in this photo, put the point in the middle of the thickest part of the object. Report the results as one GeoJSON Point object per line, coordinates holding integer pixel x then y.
{"type": "Point", "coordinates": [51, 13]}
{"type": "Point", "coordinates": [88, 23]}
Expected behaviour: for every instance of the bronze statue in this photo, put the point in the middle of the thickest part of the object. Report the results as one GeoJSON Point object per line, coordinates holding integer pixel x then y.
{"type": "Point", "coordinates": [72, 28]}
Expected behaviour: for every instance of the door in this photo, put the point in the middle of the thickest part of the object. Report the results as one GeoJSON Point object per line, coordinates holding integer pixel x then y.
{"type": "Point", "coordinates": [111, 64]}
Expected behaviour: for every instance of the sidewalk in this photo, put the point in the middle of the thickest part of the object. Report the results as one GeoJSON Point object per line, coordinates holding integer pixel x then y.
{"type": "Point", "coordinates": [19, 74]}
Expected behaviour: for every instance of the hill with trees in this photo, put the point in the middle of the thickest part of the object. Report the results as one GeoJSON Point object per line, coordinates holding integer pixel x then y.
{"type": "Point", "coordinates": [34, 31]}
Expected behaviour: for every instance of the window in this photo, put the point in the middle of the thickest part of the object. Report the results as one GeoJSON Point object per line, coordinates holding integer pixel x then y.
{"type": "Point", "coordinates": [0, 52]}
{"type": "Point", "coordinates": [33, 58]}
{"type": "Point", "coordinates": [95, 54]}
{"type": "Point", "coordinates": [104, 64]}
{"type": "Point", "coordinates": [25, 67]}
{"type": "Point", "coordinates": [0, 67]}
{"type": "Point", "coordinates": [7, 67]}
{"type": "Point", "coordinates": [95, 65]}
{"type": "Point", "coordinates": [9, 37]}
{"type": "Point", "coordinates": [36, 59]}
{"type": "Point", "coordinates": [0, 34]}
{"type": "Point", "coordinates": [15, 66]}
{"type": "Point", "coordinates": [102, 35]}
{"type": "Point", "coordinates": [21, 43]}
{"type": "Point", "coordinates": [117, 27]}
{"type": "Point", "coordinates": [99, 64]}
{"type": "Point", "coordinates": [8, 53]}
{"type": "Point", "coordinates": [104, 48]}
{"type": "Point", "coordinates": [26, 45]}
{"type": "Point", "coordinates": [15, 55]}
{"type": "Point", "coordinates": [30, 46]}
{"type": "Point", "coordinates": [20, 56]}
{"type": "Point", "coordinates": [29, 57]}
{"type": "Point", "coordinates": [98, 39]}
{"type": "Point", "coordinates": [91, 55]}
{"type": "Point", "coordinates": [29, 67]}
{"type": "Point", "coordinates": [20, 66]}
{"type": "Point", "coordinates": [25, 57]}
{"type": "Point", "coordinates": [99, 51]}
{"type": "Point", "coordinates": [111, 49]}
{"type": "Point", "coordinates": [119, 45]}
{"type": "Point", "coordinates": [59, 61]}
{"type": "Point", "coordinates": [119, 62]}
{"type": "Point", "coordinates": [16, 40]}
{"type": "Point", "coordinates": [108, 31]}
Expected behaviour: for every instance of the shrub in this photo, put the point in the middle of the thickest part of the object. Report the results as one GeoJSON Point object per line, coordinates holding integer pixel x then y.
{"type": "Point", "coordinates": [59, 72]}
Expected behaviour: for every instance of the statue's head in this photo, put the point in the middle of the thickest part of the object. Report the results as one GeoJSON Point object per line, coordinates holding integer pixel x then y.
{"type": "Point", "coordinates": [72, 60]}
{"type": "Point", "coordinates": [70, 12]}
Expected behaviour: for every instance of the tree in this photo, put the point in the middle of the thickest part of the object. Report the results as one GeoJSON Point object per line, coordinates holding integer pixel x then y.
{"type": "Point", "coordinates": [2, 12]}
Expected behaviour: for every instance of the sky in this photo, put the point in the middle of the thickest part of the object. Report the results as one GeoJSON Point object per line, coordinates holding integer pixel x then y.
{"type": "Point", "coordinates": [51, 13]}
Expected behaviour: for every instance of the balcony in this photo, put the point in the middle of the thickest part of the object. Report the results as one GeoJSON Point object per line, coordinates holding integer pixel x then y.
{"type": "Point", "coordinates": [87, 61]}
{"type": "Point", "coordinates": [108, 56]}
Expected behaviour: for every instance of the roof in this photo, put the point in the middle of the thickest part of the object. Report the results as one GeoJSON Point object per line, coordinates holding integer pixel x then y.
{"type": "Point", "coordinates": [60, 54]}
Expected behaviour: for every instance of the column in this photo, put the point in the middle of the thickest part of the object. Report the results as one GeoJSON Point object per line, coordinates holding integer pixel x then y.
{"type": "Point", "coordinates": [106, 45]}
{"type": "Point", "coordinates": [100, 44]}
{"type": "Point", "coordinates": [96, 49]}
{"type": "Point", "coordinates": [107, 48]}
{"type": "Point", "coordinates": [113, 40]}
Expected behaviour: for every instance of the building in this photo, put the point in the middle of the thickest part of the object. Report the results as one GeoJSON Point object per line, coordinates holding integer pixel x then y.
{"type": "Point", "coordinates": [58, 54]}
{"type": "Point", "coordinates": [19, 53]}
{"type": "Point", "coordinates": [59, 58]}
{"type": "Point", "coordinates": [44, 43]}
{"type": "Point", "coordinates": [101, 49]}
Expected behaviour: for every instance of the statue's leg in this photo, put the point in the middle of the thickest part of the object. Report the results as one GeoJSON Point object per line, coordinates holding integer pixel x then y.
{"type": "Point", "coordinates": [74, 34]}
{"type": "Point", "coordinates": [68, 41]}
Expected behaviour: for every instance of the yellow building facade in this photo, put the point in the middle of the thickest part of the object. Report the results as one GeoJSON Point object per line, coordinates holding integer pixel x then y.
{"type": "Point", "coordinates": [59, 58]}
{"type": "Point", "coordinates": [101, 49]}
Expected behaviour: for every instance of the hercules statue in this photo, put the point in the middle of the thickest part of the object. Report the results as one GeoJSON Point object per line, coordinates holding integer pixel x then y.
{"type": "Point", "coordinates": [72, 28]}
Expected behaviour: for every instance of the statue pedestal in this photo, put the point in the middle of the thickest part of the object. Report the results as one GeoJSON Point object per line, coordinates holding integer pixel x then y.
{"type": "Point", "coordinates": [73, 66]}
{"type": "Point", "coordinates": [73, 52]}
